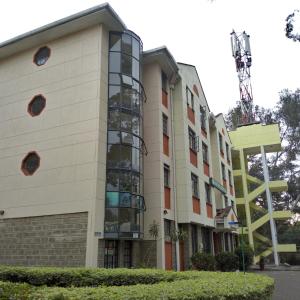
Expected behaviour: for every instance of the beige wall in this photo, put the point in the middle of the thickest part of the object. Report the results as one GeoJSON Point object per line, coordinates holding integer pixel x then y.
{"type": "Point", "coordinates": [65, 134]}
{"type": "Point", "coordinates": [184, 168]}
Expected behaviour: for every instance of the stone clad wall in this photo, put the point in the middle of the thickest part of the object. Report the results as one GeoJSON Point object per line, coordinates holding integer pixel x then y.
{"type": "Point", "coordinates": [56, 240]}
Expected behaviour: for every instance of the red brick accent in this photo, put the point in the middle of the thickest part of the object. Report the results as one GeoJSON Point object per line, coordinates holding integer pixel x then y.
{"type": "Point", "coordinates": [206, 168]}
{"type": "Point", "coordinates": [191, 115]}
{"type": "Point", "coordinates": [231, 190]}
{"type": "Point", "coordinates": [196, 205]}
{"type": "Point", "coordinates": [168, 256]}
{"type": "Point", "coordinates": [203, 132]}
{"type": "Point", "coordinates": [225, 183]}
{"type": "Point", "coordinates": [209, 210]}
{"type": "Point", "coordinates": [195, 89]}
{"type": "Point", "coordinates": [164, 98]}
{"type": "Point", "coordinates": [193, 158]}
{"type": "Point", "coordinates": [167, 197]}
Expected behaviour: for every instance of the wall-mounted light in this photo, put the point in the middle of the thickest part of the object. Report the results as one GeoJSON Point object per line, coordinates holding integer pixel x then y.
{"type": "Point", "coordinates": [165, 212]}
{"type": "Point", "coordinates": [1, 212]}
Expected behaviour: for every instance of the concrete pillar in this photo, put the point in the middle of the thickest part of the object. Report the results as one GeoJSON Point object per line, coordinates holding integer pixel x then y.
{"type": "Point", "coordinates": [270, 206]}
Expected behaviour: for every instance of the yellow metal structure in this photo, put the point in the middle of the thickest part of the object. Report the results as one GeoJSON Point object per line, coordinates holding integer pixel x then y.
{"type": "Point", "coordinates": [252, 140]}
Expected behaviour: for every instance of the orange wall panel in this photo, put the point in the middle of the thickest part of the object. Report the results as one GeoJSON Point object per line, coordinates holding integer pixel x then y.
{"type": "Point", "coordinates": [196, 205]}
{"type": "Point", "coordinates": [164, 98]}
{"type": "Point", "coordinates": [166, 144]}
{"type": "Point", "coordinates": [191, 115]}
{"type": "Point", "coordinates": [209, 210]}
{"type": "Point", "coordinates": [168, 256]}
{"type": "Point", "coordinates": [167, 197]}
{"type": "Point", "coordinates": [206, 169]}
{"type": "Point", "coordinates": [193, 158]}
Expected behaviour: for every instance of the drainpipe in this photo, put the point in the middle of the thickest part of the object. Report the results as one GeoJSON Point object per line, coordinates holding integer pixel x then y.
{"type": "Point", "coordinates": [174, 177]}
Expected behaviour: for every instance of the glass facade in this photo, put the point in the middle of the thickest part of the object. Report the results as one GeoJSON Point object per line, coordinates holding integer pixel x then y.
{"type": "Point", "coordinates": [125, 147]}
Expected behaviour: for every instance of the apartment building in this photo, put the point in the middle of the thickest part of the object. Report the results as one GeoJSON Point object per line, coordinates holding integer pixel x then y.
{"type": "Point", "coordinates": [109, 154]}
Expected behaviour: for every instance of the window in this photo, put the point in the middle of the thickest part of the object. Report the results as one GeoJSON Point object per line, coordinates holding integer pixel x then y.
{"type": "Point", "coordinates": [36, 105]}
{"type": "Point", "coordinates": [30, 163]}
{"type": "Point", "coordinates": [206, 239]}
{"type": "Point", "coordinates": [166, 175]}
{"type": "Point", "coordinates": [111, 254]}
{"type": "Point", "coordinates": [167, 228]}
{"type": "Point", "coordinates": [127, 254]}
{"type": "Point", "coordinates": [195, 185]}
{"type": "Point", "coordinates": [189, 98]}
{"type": "Point", "coordinates": [193, 141]}
{"type": "Point", "coordinates": [203, 117]}
{"type": "Point", "coordinates": [205, 153]}
{"type": "Point", "coordinates": [232, 204]}
{"type": "Point", "coordinates": [223, 171]}
{"type": "Point", "coordinates": [164, 81]}
{"type": "Point", "coordinates": [207, 193]}
{"type": "Point", "coordinates": [165, 124]}
{"type": "Point", "coordinates": [41, 56]}
{"type": "Point", "coordinates": [229, 178]}
{"type": "Point", "coordinates": [221, 142]}
{"type": "Point", "coordinates": [194, 238]}
{"type": "Point", "coordinates": [227, 151]}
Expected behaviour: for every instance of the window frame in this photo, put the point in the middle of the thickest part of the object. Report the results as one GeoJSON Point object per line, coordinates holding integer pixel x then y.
{"type": "Point", "coordinates": [164, 82]}
{"type": "Point", "coordinates": [221, 143]}
{"type": "Point", "coordinates": [189, 100]}
{"type": "Point", "coordinates": [203, 118]}
{"type": "Point", "coordinates": [195, 185]}
{"type": "Point", "coordinates": [193, 140]}
{"type": "Point", "coordinates": [205, 156]}
{"type": "Point", "coordinates": [223, 171]}
{"type": "Point", "coordinates": [208, 192]}
{"type": "Point", "coordinates": [166, 175]}
{"type": "Point", "coordinates": [229, 177]}
{"type": "Point", "coordinates": [165, 124]}
{"type": "Point", "coordinates": [227, 151]}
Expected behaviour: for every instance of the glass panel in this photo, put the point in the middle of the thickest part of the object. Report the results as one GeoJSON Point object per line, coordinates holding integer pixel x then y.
{"type": "Point", "coordinates": [127, 80]}
{"type": "Point", "coordinates": [126, 65]}
{"type": "Point", "coordinates": [113, 156]}
{"type": "Point", "coordinates": [136, 125]}
{"type": "Point", "coordinates": [135, 159]}
{"type": "Point", "coordinates": [114, 79]}
{"type": "Point", "coordinates": [113, 121]}
{"type": "Point", "coordinates": [126, 97]}
{"type": "Point", "coordinates": [126, 43]}
{"type": "Point", "coordinates": [135, 101]}
{"type": "Point", "coordinates": [125, 157]}
{"type": "Point", "coordinates": [115, 42]}
{"type": "Point", "coordinates": [113, 137]}
{"type": "Point", "coordinates": [111, 220]}
{"type": "Point", "coordinates": [136, 86]}
{"type": "Point", "coordinates": [112, 199]}
{"type": "Point", "coordinates": [126, 138]}
{"type": "Point", "coordinates": [135, 48]}
{"type": "Point", "coordinates": [135, 69]}
{"type": "Point", "coordinates": [135, 184]}
{"type": "Point", "coordinates": [126, 121]}
{"type": "Point", "coordinates": [128, 220]}
{"type": "Point", "coordinates": [114, 62]}
{"type": "Point", "coordinates": [112, 181]}
{"type": "Point", "coordinates": [136, 142]}
{"type": "Point", "coordinates": [114, 96]}
{"type": "Point", "coordinates": [125, 181]}
{"type": "Point", "coordinates": [125, 199]}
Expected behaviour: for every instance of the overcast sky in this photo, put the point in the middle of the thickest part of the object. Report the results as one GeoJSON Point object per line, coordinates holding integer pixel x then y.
{"type": "Point", "coordinates": [196, 32]}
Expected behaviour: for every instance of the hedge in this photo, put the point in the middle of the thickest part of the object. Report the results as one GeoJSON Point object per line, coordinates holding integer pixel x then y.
{"type": "Point", "coordinates": [173, 285]}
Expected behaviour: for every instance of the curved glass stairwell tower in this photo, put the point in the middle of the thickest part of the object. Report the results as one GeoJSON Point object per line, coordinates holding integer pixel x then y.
{"type": "Point", "coordinates": [124, 208]}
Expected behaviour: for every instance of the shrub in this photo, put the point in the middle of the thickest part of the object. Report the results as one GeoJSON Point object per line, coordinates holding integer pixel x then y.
{"type": "Point", "coordinates": [203, 261]}
{"type": "Point", "coordinates": [227, 261]}
{"type": "Point", "coordinates": [188, 285]}
{"type": "Point", "coordinates": [248, 256]}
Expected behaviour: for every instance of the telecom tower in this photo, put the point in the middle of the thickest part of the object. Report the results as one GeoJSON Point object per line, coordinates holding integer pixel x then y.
{"type": "Point", "coordinates": [255, 139]}
{"type": "Point", "coordinates": [241, 52]}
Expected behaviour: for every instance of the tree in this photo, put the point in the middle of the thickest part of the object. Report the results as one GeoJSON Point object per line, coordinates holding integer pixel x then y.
{"type": "Point", "coordinates": [285, 164]}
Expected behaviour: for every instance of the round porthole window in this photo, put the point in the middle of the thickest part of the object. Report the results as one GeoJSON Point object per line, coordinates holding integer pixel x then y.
{"type": "Point", "coordinates": [41, 56]}
{"type": "Point", "coordinates": [30, 163]}
{"type": "Point", "coordinates": [36, 105]}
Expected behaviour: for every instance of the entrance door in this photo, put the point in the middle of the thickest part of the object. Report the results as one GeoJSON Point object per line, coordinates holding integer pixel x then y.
{"type": "Point", "coordinates": [181, 253]}
{"type": "Point", "coordinates": [127, 254]}
{"type": "Point", "coordinates": [111, 254]}
{"type": "Point", "coordinates": [168, 256]}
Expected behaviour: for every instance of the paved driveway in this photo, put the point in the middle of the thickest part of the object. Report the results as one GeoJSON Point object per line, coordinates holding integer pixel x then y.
{"type": "Point", "coordinates": [287, 284]}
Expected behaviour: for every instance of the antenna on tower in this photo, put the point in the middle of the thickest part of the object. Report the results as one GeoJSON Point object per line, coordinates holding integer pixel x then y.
{"type": "Point", "coordinates": [240, 45]}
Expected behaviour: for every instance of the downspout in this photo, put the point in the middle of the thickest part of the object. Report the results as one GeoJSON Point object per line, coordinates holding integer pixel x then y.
{"type": "Point", "coordinates": [174, 177]}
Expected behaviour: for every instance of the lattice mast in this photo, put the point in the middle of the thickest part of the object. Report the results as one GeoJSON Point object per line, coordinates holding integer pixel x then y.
{"type": "Point", "coordinates": [241, 52]}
